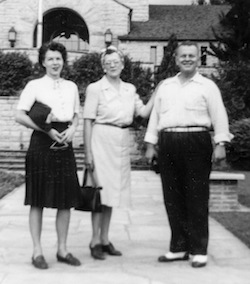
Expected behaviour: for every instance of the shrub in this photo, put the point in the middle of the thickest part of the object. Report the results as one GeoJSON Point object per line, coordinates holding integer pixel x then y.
{"type": "Point", "coordinates": [15, 69]}
{"type": "Point", "coordinates": [233, 81]}
{"type": "Point", "coordinates": [85, 70]}
{"type": "Point", "coordinates": [9, 181]}
{"type": "Point", "coordinates": [238, 151]}
{"type": "Point", "coordinates": [38, 71]}
{"type": "Point", "coordinates": [142, 78]}
{"type": "Point", "coordinates": [168, 67]}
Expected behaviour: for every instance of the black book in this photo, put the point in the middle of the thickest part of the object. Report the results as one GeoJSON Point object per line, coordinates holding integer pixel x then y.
{"type": "Point", "coordinates": [39, 113]}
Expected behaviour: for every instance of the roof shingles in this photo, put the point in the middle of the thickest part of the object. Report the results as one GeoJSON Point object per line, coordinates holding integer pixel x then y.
{"type": "Point", "coordinates": [187, 22]}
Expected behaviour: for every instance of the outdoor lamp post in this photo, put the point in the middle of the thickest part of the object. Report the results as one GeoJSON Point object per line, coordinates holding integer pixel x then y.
{"type": "Point", "coordinates": [12, 36]}
{"type": "Point", "coordinates": [108, 37]}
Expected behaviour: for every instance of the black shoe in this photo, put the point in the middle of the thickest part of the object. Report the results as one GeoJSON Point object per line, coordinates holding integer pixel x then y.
{"type": "Point", "coordinates": [40, 262]}
{"type": "Point", "coordinates": [163, 258]}
{"type": "Point", "coordinates": [96, 252]}
{"type": "Point", "coordinates": [69, 259]}
{"type": "Point", "coordinates": [110, 249]}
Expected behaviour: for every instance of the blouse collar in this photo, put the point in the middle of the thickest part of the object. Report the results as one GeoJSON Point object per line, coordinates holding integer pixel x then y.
{"type": "Point", "coordinates": [54, 82]}
{"type": "Point", "coordinates": [107, 85]}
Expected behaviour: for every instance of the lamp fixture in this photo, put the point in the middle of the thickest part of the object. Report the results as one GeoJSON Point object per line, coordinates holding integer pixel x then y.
{"type": "Point", "coordinates": [108, 37]}
{"type": "Point", "coordinates": [12, 36]}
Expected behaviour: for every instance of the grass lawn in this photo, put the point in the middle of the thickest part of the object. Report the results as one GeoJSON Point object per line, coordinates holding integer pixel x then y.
{"type": "Point", "coordinates": [9, 181]}
{"type": "Point", "coordinates": [236, 222]}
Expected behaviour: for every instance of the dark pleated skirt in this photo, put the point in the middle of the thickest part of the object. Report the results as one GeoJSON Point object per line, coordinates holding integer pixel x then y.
{"type": "Point", "coordinates": [51, 175]}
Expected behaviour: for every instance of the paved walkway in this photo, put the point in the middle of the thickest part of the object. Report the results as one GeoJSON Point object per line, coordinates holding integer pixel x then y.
{"type": "Point", "coordinates": [142, 234]}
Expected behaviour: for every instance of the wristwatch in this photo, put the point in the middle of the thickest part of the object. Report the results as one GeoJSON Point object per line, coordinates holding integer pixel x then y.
{"type": "Point", "coordinates": [221, 143]}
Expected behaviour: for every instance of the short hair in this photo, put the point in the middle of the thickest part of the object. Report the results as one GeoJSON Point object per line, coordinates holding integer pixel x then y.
{"type": "Point", "coordinates": [187, 43]}
{"type": "Point", "coordinates": [54, 46]}
{"type": "Point", "coordinates": [109, 50]}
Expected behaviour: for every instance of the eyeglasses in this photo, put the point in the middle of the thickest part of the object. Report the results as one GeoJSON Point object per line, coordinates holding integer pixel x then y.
{"type": "Point", "coordinates": [109, 63]}
{"type": "Point", "coordinates": [57, 146]}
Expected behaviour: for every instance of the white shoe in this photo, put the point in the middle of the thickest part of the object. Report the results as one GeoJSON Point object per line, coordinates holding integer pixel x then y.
{"type": "Point", "coordinates": [173, 256]}
{"type": "Point", "coordinates": [199, 260]}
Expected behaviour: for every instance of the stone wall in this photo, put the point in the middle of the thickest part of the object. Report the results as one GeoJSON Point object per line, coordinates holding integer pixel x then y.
{"type": "Point", "coordinates": [15, 136]}
{"type": "Point", "coordinates": [140, 9]}
{"type": "Point", "coordinates": [99, 15]}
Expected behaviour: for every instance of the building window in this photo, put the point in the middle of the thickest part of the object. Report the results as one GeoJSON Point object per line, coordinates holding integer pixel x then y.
{"type": "Point", "coordinates": [153, 54]}
{"type": "Point", "coordinates": [204, 56]}
{"type": "Point", "coordinates": [72, 42]}
{"type": "Point", "coordinates": [66, 26]}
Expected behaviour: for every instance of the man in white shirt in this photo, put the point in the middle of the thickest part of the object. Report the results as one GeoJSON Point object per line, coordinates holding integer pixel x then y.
{"type": "Point", "coordinates": [186, 107]}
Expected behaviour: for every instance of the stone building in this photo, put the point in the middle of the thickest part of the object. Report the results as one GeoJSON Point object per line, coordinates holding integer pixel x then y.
{"type": "Point", "coordinates": [139, 29]}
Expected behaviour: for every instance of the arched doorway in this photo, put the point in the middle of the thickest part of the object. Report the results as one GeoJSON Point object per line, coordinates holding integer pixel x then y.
{"type": "Point", "coordinates": [65, 26]}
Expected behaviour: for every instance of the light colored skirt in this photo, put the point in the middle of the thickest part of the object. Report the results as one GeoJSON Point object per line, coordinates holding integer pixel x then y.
{"type": "Point", "coordinates": [111, 153]}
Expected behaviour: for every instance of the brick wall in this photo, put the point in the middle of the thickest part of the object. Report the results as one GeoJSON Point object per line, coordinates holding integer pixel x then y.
{"type": "Point", "coordinates": [224, 191]}
{"type": "Point", "coordinates": [224, 195]}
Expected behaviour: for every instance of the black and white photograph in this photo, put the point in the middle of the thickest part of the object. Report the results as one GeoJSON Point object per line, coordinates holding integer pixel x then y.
{"type": "Point", "coordinates": [124, 148]}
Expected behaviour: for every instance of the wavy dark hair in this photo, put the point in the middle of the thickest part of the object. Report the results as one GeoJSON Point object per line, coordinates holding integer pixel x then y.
{"type": "Point", "coordinates": [54, 46]}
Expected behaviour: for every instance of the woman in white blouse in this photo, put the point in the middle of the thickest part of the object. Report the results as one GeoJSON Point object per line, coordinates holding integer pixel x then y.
{"type": "Point", "coordinates": [51, 176]}
{"type": "Point", "coordinates": [110, 107]}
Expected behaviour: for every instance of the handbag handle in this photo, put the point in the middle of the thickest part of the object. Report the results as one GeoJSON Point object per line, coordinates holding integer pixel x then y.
{"type": "Point", "coordinates": [85, 177]}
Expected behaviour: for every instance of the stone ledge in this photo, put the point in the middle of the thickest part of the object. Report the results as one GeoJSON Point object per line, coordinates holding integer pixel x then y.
{"type": "Point", "coordinates": [216, 175]}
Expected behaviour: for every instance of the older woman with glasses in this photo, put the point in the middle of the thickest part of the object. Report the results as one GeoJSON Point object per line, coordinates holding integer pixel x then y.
{"type": "Point", "coordinates": [51, 176]}
{"type": "Point", "coordinates": [110, 107]}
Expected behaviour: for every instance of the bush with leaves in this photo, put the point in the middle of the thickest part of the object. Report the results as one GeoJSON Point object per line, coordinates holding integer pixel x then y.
{"type": "Point", "coordinates": [85, 70]}
{"type": "Point", "coordinates": [168, 67]}
{"type": "Point", "coordinates": [233, 39]}
{"type": "Point", "coordinates": [238, 151]}
{"type": "Point", "coordinates": [15, 69]}
{"type": "Point", "coordinates": [233, 81]}
{"type": "Point", "coordinates": [140, 77]}
{"type": "Point", "coordinates": [38, 71]}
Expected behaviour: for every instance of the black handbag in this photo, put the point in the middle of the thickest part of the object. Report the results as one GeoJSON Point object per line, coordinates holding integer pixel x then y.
{"type": "Point", "coordinates": [90, 197]}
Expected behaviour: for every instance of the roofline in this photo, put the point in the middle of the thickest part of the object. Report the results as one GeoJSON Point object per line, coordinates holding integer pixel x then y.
{"type": "Point", "coordinates": [125, 38]}
{"type": "Point", "coordinates": [118, 2]}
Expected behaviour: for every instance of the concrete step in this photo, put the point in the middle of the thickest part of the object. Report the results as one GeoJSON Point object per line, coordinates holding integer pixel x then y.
{"type": "Point", "coordinates": [14, 160]}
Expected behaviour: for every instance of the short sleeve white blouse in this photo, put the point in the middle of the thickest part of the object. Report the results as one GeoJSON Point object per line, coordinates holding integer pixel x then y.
{"type": "Point", "coordinates": [61, 95]}
{"type": "Point", "coordinates": [104, 104]}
